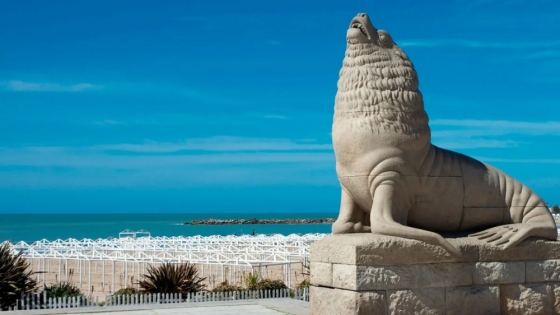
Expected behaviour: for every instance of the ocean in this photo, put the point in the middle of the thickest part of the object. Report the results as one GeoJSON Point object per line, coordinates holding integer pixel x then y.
{"type": "Point", "coordinates": [33, 227]}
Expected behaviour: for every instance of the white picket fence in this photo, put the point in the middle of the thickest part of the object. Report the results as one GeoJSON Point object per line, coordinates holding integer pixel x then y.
{"type": "Point", "coordinates": [40, 300]}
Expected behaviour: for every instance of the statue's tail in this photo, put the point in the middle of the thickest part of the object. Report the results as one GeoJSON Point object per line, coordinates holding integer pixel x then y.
{"type": "Point", "coordinates": [524, 205]}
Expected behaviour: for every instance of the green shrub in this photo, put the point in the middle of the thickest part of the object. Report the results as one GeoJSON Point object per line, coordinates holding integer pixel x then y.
{"type": "Point", "coordinates": [172, 278]}
{"type": "Point", "coordinates": [15, 277]}
{"type": "Point", "coordinates": [127, 291]}
{"type": "Point", "coordinates": [268, 284]}
{"type": "Point", "coordinates": [226, 287]}
{"type": "Point", "coordinates": [124, 292]}
{"type": "Point", "coordinates": [63, 290]}
{"type": "Point", "coordinates": [251, 281]}
{"type": "Point", "coordinates": [304, 284]}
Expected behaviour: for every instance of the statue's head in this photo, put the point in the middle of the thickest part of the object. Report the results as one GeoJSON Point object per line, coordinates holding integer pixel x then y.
{"type": "Point", "coordinates": [381, 64]}
{"type": "Point", "coordinates": [370, 47]}
{"type": "Point", "coordinates": [362, 33]}
{"type": "Point", "coordinates": [378, 85]}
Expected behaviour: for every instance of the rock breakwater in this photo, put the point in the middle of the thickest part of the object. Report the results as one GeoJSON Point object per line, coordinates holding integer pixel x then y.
{"type": "Point", "coordinates": [259, 221]}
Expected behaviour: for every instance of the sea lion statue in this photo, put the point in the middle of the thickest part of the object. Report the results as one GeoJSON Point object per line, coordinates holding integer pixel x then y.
{"type": "Point", "coordinates": [394, 181]}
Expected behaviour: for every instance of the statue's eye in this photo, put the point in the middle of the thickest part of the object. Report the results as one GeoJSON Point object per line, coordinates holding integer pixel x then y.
{"type": "Point", "coordinates": [384, 38]}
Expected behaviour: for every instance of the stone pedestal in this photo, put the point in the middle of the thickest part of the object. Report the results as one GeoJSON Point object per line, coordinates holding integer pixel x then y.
{"type": "Point", "coordinates": [371, 274]}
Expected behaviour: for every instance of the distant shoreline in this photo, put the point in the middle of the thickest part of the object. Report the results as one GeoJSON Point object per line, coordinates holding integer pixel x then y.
{"type": "Point", "coordinates": [259, 221]}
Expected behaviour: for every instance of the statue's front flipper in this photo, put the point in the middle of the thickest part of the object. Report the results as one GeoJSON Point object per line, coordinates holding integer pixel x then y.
{"type": "Point", "coordinates": [388, 217]}
{"type": "Point", "coordinates": [351, 219]}
{"type": "Point", "coordinates": [536, 223]}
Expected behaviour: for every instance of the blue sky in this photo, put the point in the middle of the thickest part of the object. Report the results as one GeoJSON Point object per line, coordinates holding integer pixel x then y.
{"type": "Point", "coordinates": [226, 106]}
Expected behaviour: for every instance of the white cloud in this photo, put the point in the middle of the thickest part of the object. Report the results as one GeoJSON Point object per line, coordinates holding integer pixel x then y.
{"type": "Point", "coordinates": [476, 3]}
{"type": "Point", "coordinates": [275, 117]}
{"type": "Point", "coordinates": [473, 134]}
{"type": "Point", "coordinates": [187, 175]}
{"type": "Point", "coordinates": [546, 182]}
{"type": "Point", "coordinates": [476, 44]}
{"type": "Point", "coordinates": [501, 127]}
{"type": "Point", "coordinates": [472, 143]}
{"type": "Point", "coordinates": [523, 161]}
{"type": "Point", "coordinates": [215, 150]}
{"type": "Point", "coordinates": [549, 53]}
{"type": "Point", "coordinates": [84, 158]}
{"type": "Point", "coordinates": [273, 42]}
{"type": "Point", "coordinates": [217, 144]}
{"type": "Point", "coordinates": [109, 122]}
{"type": "Point", "coordinates": [193, 162]}
{"type": "Point", "coordinates": [21, 86]}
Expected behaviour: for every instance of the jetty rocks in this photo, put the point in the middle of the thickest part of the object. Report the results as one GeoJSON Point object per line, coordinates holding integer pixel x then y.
{"type": "Point", "coordinates": [259, 221]}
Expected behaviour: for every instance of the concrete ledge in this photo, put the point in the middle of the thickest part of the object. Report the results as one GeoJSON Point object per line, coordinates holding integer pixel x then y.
{"type": "Point", "coordinates": [368, 249]}
{"type": "Point", "coordinates": [369, 274]}
{"type": "Point", "coordinates": [530, 249]}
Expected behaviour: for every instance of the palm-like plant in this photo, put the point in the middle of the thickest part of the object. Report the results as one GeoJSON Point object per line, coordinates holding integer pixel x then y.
{"type": "Point", "coordinates": [15, 276]}
{"type": "Point", "coordinates": [251, 281]}
{"type": "Point", "coordinates": [172, 278]}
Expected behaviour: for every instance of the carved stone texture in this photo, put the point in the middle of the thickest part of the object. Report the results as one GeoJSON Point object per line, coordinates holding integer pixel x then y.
{"type": "Point", "coordinates": [365, 278]}
{"type": "Point", "coordinates": [473, 300]}
{"type": "Point", "coordinates": [394, 181]}
{"type": "Point", "coordinates": [342, 302]}
{"type": "Point", "coordinates": [499, 272]}
{"type": "Point", "coordinates": [412, 283]}
{"type": "Point", "coordinates": [417, 301]}
{"type": "Point", "coordinates": [527, 299]}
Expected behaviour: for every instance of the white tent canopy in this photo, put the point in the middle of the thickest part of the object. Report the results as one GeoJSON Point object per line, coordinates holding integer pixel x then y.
{"type": "Point", "coordinates": [138, 248]}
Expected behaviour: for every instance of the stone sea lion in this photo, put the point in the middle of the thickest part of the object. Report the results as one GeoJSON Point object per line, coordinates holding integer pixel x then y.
{"type": "Point", "coordinates": [394, 181]}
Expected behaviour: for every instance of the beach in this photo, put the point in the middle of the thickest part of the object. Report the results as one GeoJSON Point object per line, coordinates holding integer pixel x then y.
{"type": "Point", "coordinates": [127, 274]}
{"type": "Point", "coordinates": [102, 266]}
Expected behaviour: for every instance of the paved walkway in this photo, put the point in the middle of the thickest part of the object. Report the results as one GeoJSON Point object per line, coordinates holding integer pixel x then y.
{"type": "Point", "coordinates": [244, 307]}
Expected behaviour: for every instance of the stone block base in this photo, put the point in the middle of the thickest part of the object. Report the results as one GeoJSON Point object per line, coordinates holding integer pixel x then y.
{"type": "Point", "coordinates": [369, 274]}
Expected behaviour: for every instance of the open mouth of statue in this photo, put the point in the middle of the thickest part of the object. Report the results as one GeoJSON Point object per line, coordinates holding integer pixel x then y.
{"type": "Point", "coordinates": [360, 26]}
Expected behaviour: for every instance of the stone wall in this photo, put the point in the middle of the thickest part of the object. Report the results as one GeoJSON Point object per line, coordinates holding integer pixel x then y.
{"type": "Point", "coordinates": [371, 274]}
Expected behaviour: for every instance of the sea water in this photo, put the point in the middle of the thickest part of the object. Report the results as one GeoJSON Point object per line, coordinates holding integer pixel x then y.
{"type": "Point", "coordinates": [33, 227]}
